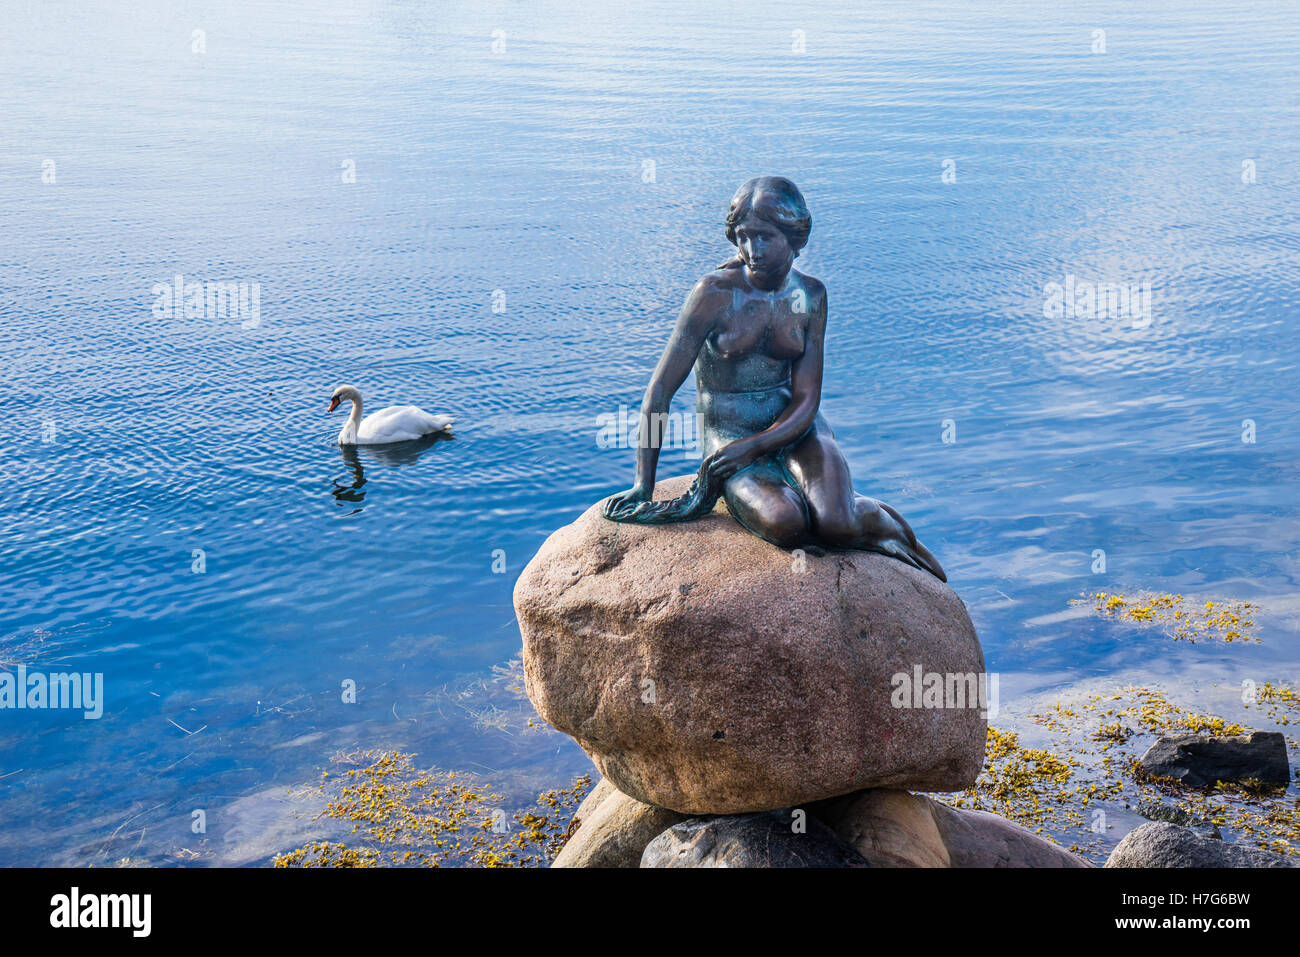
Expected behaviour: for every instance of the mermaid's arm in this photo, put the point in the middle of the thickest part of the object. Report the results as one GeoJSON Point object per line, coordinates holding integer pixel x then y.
{"type": "Point", "coordinates": [694, 324]}
{"type": "Point", "coordinates": [805, 388]}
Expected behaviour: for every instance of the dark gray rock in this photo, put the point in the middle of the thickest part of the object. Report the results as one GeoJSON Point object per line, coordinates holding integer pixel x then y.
{"type": "Point", "coordinates": [1158, 844]}
{"type": "Point", "coordinates": [1197, 760]}
{"type": "Point", "coordinates": [767, 839]}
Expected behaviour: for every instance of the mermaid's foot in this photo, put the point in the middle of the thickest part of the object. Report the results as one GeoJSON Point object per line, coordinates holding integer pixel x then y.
{"type": "Point", "coordinates": [917, 558]}
{"type": "Point", "coordinates": [929, 562]}
{"type": "Point", "coordinates": [905, 546]}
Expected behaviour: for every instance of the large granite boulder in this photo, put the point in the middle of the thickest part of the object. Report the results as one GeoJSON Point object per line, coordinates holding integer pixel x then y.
{"type": "Point", "coordinates": [708, 672]}
{"type": "Point", "coordinates": [1200, 760]}
{"type": "Point", "coordinates": [769, 839]}
{"type": "Point", "coordinates": [1160, 844]}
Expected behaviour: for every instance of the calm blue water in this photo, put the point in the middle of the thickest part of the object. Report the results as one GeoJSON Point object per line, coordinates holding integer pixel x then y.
{"type": "Point", "coordinates": [135, 440]}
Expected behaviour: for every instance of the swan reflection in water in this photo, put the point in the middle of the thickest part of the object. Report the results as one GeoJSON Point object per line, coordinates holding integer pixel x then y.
{"type": "Point", "coordinates": [393, 454]}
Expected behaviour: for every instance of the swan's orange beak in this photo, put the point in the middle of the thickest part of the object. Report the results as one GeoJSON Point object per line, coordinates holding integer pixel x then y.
{"type": "Point", "coordinates": [334, 404]}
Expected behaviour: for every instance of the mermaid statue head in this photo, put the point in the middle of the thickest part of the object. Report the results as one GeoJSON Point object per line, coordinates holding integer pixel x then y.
{"type": "Point", "coordinates": [774, 200]}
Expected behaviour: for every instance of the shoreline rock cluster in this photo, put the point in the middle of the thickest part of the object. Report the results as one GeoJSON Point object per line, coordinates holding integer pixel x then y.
{"type": "Point", "coordinates": [1175, 838]}
{"type": "Point", "coordinates": [878, 827]}
{"type": "Point", "coordinates": [1162, 844]}
{"type": "Point", "coordinates": [752, 707]}
{"type": "Point", "coordinates": [729, 691]}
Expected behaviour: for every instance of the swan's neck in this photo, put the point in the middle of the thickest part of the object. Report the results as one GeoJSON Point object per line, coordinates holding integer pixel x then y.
{"type": "Point", "coordinates": [354, 420]}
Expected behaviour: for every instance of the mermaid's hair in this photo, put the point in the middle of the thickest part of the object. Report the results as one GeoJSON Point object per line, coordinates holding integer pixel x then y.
{"type": "Point", "coordinates": [776, 200]}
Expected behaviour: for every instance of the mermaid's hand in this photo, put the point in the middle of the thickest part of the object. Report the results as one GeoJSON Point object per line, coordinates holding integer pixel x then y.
{"type": "Point", "coordinates": [625, 503]}
{"type": "Point", "coordinates": [730, 459]}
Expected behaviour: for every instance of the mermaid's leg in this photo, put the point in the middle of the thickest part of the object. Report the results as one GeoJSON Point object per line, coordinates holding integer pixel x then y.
{"type": "Point", "coordinates": [840, 517]}
{"type": "Point", "coordinates": [761, 500]}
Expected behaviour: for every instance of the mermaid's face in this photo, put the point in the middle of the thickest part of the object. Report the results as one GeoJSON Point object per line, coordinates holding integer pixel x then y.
{"type": "Point", "coordinates": [763, 249]}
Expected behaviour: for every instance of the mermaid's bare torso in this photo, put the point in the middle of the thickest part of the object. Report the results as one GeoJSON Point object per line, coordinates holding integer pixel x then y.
{"type": "Point", "coordinates": [742, 373]}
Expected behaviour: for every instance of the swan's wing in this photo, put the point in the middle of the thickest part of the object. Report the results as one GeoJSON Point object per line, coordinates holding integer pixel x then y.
{"type": "Point", "coordinates": [400, 423]}
{"type": "Point", "coordinates": [426, 422]}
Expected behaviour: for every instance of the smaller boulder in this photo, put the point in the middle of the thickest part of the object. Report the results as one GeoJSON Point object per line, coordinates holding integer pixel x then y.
{"type": "Point", "coordinates": [1197, 760]}
{"type": "Point", "coordinates": [765, 839]}
{"type": "Point", "coordinates": [887, 826]}
{"type": "Point", "coordinates": [981, 839]}
{"type": "Point", "coordinates": [614, 832]}
{"type": "Point", "coordinates": [587, 808]}
{"type": "Point", "coordinates": [1159, 844]}
{"type": "Point", "coordinates": [894, 828]}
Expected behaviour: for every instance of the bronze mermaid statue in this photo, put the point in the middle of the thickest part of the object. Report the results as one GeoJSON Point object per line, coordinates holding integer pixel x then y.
{"type": "Point", "coordinates": [754, 330]}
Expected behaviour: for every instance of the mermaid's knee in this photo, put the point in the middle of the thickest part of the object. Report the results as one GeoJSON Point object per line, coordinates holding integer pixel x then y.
{"type": "Point", "coordinates": [779, 521]}
{"type": "Point", "coordinates": [786, 532]}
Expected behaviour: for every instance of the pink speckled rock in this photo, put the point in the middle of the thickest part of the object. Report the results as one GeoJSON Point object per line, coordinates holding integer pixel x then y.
{"type": "Point", "coordinates": [709, 672]}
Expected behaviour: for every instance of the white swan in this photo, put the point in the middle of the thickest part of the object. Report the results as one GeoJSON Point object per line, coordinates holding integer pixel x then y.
{"type": "Point", "coordinates": [397, 423]}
